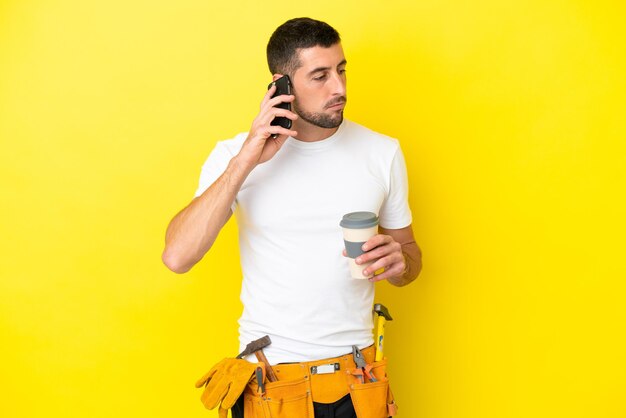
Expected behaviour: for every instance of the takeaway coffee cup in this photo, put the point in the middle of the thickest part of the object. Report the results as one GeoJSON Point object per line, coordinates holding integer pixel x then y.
{"type": "Point", "coordinates": [358, 227]}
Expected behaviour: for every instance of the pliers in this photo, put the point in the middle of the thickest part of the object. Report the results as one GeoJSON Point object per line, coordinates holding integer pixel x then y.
{"type": "Point", "coordinates": [363, 369]}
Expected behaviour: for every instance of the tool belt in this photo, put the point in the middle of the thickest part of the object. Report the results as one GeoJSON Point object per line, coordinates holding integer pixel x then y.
{"type": "Point", "coordinates": [323, 381]}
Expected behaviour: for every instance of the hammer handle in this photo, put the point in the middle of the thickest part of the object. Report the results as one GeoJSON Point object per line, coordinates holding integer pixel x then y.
{"type": "Point", "coordinates": [380, 337]}
{"type": "Point", "coordinates": [271, 376]}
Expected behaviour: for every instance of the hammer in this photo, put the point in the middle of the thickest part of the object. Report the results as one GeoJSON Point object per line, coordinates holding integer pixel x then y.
{"type": "Point", "coordinates": [383, 316]}
{"type": "Point", "coordinates": [257, 347]}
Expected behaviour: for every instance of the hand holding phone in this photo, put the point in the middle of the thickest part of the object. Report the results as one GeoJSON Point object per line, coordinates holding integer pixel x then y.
{"type": "Point", "coordinates": [269, 131]}
{"type": "Point", "coordinates": [283, 86]}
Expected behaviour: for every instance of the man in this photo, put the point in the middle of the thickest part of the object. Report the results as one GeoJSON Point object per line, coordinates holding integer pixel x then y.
{"type": "Point", "coordinates": [289, 189]}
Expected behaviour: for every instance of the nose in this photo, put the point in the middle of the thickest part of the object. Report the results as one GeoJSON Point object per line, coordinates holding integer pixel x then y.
{"type": "Point", "coordinates": [338, 84]}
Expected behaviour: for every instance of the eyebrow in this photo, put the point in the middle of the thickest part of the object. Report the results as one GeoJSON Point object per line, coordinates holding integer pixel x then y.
{"type": "Point", "coordinates": [318, 69]}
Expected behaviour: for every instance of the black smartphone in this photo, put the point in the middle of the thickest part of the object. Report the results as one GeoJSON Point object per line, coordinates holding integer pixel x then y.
{"type": "Point", "coordinates": [283, 86]}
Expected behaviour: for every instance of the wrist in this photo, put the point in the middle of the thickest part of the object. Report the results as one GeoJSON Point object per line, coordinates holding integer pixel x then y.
{"type": "Point", "coordinates": [402, 278]}
{"type": "Point", "coordinates": [240, 166]}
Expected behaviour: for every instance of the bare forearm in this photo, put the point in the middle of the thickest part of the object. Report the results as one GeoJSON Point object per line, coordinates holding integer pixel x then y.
{"type": "Point", "coordinates": [413, 260]}
{"type": "Point", "coordinates": [192, 232]}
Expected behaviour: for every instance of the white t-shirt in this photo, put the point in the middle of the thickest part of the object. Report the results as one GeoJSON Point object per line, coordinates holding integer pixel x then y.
{"type": "Point", "coordinates": [296, 283]}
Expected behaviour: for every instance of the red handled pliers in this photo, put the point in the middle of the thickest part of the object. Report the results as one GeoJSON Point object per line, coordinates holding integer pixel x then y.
{"type": "Point", "coordinates": [363, 369]}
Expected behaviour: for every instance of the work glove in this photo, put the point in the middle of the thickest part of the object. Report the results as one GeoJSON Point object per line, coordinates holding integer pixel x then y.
{"type": "Point", "coordinates": [225, 383]}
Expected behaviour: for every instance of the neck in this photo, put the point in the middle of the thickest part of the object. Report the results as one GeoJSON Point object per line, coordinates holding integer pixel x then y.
{"type": "Point", "coordinates": [308, 132]}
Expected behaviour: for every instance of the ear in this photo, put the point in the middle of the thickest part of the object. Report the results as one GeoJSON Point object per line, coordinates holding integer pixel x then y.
{"type": "Point", "coordinates": [276, 77]}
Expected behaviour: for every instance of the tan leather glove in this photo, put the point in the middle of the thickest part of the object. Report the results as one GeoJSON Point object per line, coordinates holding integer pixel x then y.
{"type": "Point", "coordinates": [225, 383]}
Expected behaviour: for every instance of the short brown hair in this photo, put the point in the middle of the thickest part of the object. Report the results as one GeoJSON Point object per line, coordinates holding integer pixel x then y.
{"type": "Point", "coordinates": [294, 34]}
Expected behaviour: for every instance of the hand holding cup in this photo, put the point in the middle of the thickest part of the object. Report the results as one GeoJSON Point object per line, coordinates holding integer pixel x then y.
{"type": "Point", "coordinates": [358, 227]}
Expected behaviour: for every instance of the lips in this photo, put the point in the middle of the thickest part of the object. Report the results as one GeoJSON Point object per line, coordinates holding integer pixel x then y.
{"type": "Point", "coordinates": [336, 105]}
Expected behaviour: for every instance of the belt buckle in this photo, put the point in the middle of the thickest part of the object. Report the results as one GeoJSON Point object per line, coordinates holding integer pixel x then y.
{"type": "Point", "coordinates": [325, 368]}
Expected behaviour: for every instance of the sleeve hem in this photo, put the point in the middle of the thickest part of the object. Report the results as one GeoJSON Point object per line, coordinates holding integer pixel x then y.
{"type": "Point", "coordinates": [399, 224]}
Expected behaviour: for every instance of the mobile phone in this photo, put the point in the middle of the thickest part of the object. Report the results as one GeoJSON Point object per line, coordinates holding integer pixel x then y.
{"type": "Point", "coordinates": [283, 86]}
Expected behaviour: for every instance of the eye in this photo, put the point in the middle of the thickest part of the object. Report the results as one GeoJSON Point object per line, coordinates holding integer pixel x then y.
{"type": "Point", "coordinates": [320, 78]}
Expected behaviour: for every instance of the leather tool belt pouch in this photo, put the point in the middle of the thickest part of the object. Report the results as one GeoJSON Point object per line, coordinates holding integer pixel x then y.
{"type": "Point", "coordinates": [324, 381]}
{"type": "Point", "coordinates": [373, 399]}
{"type": "Point", "coordinates": [289, 398]}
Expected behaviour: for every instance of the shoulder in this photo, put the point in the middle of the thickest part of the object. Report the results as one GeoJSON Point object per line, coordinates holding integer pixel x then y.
{"type": "Point", "coordinates": [369, 140]}
{"type": "Point", "coordinates": [226, 149]}
{"type": "Point", "coordinates": [362, 133]}
{"type": "Point", "coordinates": [233, 145]}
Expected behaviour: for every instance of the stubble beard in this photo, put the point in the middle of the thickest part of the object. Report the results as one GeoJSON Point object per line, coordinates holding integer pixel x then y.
{"type": "Point", "coordinates": [322, 120]}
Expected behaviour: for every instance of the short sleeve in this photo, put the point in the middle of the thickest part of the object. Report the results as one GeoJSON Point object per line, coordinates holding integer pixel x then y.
{"type": "Point", "coordinates": [395, 212]}
{"type": "Point", "coordinates": [213, 168]}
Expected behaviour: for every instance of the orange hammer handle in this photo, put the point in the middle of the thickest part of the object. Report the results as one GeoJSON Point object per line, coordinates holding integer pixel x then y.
{"type": "Point", "coordinates": [271, 376]}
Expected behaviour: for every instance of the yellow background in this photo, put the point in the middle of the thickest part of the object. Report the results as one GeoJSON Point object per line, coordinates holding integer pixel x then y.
{"type": "Point", "coordinates": [510, 115]}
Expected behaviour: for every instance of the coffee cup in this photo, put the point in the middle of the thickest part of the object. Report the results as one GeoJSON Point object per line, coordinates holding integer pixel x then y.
{"type": "Point", "coordinates": [358, 227]}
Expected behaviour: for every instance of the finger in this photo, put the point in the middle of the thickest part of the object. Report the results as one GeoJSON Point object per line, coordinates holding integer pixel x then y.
{"type": "Point", "coordinates": [385, 262]}
{"type": "Point", "coordinates": [380, 251]}
{"type": "Point", "coordinates": [378, 278]}
{"type": "Point", "coordinates": [264, 120]}
{"type": "Point", "coordinates": [279, 111]}
{"type": "Point", "coordinates": [345, 253]}
{"type": "Point", "coordinates": [264, 130]}
{"type": "Point", "coordinates": [393, 271]}
{"type": "Point", "coordinates": [386, 275]}
{"type": "Point", "coordinates": [279, 130]}
{"type": "Point", "coordinates": [268, 95]}
{"type": "Point", "coordinates": [275, 101]}
{"type": "Point", "coordinates": [374, 254]}
{"type": "Point", "coordinates": [375, 241]}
